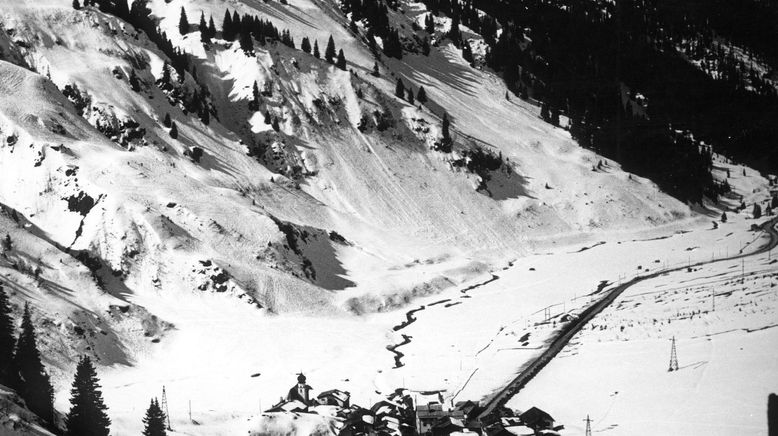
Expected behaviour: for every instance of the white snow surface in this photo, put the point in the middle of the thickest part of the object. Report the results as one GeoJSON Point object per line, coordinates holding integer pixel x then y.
{"type": "Point", "coordinates": [201, 289]}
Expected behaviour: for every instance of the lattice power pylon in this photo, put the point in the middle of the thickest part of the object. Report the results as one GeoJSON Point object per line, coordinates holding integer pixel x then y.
{"type": "Point", "coordinates": [164, 407]}
{"type": "Point", "coordinates": [673, 358]}
{"type": "Point", "coordinates": [588, 426]}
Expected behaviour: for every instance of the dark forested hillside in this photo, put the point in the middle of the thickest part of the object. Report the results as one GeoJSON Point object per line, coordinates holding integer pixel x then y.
{"type": "Point", "coordinates": [652, 84]}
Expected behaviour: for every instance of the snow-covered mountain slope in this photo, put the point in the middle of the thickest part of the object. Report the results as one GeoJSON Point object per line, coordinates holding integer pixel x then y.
{"type": "Point", "coordinates": [392, 198]}
{"type": "Point", "coordinates": [16, 419]}
{"type": "Point", "coordinates": [174, 250]}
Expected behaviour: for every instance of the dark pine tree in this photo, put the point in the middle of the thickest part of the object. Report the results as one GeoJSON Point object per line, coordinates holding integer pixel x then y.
{"type": "Point", "coordinates": [267, 117]}
{"type": "Point", "coordinates": [8, 373]}
{"type": "Point", "coordinates": [183, 22]}
{"type": "Point", "coordinates": [421, 95]}
{"type": "Point", "coordinates": [467, 52]}
{"type": "Point", "coordinates": [410, 95]}
{"type": "Point", "coordinates": [341, 62]}
{"type": "Point", "coordinates": [316, 50]}
{"type": "Point", "coordinates": [275, 125]}
{"type": "Point", "coordinates": [154, 421]}
{"type": "Point", "coordinates": [8, 244]}
{"type": "Point", "coordinates": [165, 80]}
{"type": "Point", "coordinates": [227, 30]}
{"type": "Point", "coordinates": [134, 82]}
{"type": "Point", "coordinates": [76, 5]}
{"type": "Point", "coordinates": [555, 116]}
{"type": "Point", "coordinates": [446, 135]}
{"type": "Point", "coordinates": [236, 23]}
{"type": "Point", "coordinates": [205, 36]}
{"type": "Point", "coordinates": [545, 112]}
{"type": "Point", "coordinates": [173, 130]}
{"type": "Point", "coordinates": [329, 52]}
{"type": "Point", "coordinates": [255, 100]}
{"type": "Point", "coordinates": [399, 88]}
{"type": "Point", "coordinates": [306, 45]}
{"type": "Point", "coordinates": [211, 28]}
{"type": "Point", "coordinates": [246, 41]}
{"type": "Point", "coordinates": [429, 24]}
{"type": "Point", "coordinates": [454, 33]}
{"type": "Point", "coordinates": [87, 415]}
{"type": "Point", "coordinates": [204, 114]}
{"type": "Point", "coordinates": [35, 386]}
{"type": "Point", "coordinates": [166, 122]}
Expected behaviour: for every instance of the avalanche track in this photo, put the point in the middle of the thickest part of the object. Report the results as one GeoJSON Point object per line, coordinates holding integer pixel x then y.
{"type": "Point", "coordinates": [567, 332]}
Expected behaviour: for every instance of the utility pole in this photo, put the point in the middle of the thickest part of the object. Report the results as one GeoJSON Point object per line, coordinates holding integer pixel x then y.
{"type": "Point", "coordinates": [165, 409]}
{"type": "Point", "coordinates": [190, 410]}
{"type": "Point", "coordinates": [588, 426]}
{"type": "Point", "coordinates": [673, 358]}
{"type": "Point", "coordinates": [713, 298]}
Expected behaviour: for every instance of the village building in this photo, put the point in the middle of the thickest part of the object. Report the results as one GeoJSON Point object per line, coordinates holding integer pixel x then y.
{"type": "Point", "coordinates": [300, 392]}
{"type": "Point", "coordinates": [537, 419]}
{"type": "Point", "coordinates": [429, 415]}
{"type": "Point", "coordinates": [334, 397]}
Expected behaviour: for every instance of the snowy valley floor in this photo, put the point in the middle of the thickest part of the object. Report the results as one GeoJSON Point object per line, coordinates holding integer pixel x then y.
{"type": "Point", "coordinates": [230, 361]}
{"type": "Point", "coordinates": [723, 317]}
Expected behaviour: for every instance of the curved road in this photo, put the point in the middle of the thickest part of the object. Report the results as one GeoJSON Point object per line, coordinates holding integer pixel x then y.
{"type": "Point", "coordinates": [567, 332]}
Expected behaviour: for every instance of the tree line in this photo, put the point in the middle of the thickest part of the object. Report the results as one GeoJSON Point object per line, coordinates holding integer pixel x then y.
{"type": "Point", "coordinates": [577, 57]}
{"type": "Point", "coordinates": [22, 369]}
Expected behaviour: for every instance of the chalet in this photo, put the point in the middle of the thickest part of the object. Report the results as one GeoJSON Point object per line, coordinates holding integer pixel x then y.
{"type": "Point", "coordinates": [469, 408]}
{"type": "Point", "coordinates": [288, 406]}
{"type": "Point", "coordinates": [334, 397]}
{"type": "Point", "coordinates": [448, 425]}
{"type": "Point", "coordinates": [427, 416]}
{"type": "Point", "coordinates": [537, 419]}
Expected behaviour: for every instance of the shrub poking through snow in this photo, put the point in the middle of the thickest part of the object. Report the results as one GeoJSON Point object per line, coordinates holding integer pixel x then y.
{"type": "Point", "coordinates": [196, 154]}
